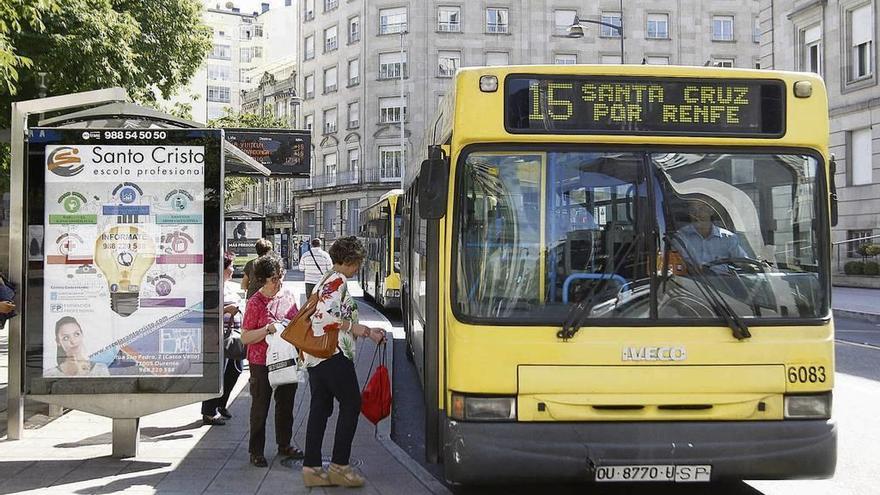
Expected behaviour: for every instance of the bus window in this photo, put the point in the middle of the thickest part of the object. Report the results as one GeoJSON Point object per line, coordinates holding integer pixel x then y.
{"type": "Point", "coordinates": [747, 223]}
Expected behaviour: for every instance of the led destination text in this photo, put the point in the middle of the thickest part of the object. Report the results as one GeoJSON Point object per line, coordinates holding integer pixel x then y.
{"type": "Point", "coordinates": [648, 105]}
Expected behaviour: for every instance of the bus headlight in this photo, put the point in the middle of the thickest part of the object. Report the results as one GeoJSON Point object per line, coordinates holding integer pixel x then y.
{"type": "Point", "coordinates": [466, 408]}
{"type": "Point", "coordinates": [808, 406]}
{"type": "Point", "coordinates": [392, 292]}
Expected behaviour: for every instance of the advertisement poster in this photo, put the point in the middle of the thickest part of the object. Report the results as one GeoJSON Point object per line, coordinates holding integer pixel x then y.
{"type": "Point", "coordinates": [241, 239]}
{"type": "Point", "coordinates": [124, 274]}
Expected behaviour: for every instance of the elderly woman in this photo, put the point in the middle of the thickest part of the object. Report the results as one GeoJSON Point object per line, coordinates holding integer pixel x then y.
{"type": "Point", "coordinates": [263, 312]}
{"type": "Point", "coordinates": [335, 378]}
{"type": "Point", "coordinates": [214, 411]}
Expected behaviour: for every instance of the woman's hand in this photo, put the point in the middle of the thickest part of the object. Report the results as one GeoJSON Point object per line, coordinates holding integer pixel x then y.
{"type": "Point", "coordinates": [6, 307]}
{"type": "Point", "coordinates": [377, 335]}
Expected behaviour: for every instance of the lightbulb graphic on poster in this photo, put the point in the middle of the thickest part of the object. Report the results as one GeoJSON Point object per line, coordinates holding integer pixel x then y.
{"type": "Point", "coordinates": [123, 261]}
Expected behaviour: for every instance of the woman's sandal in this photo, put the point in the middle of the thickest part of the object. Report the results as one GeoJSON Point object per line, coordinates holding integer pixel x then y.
{"type": "Point", "coordinates": [315, 477]}
{"type": "Point", "coordinates": [345, 476]}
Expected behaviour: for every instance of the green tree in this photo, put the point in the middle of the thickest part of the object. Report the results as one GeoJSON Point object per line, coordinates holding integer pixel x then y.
{"type": "Point", "coordinates": [15, 16]}
{"type": "Point", "coordinates": [234, 185]}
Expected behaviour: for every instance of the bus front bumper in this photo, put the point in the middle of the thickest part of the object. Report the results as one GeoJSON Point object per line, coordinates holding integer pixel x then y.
{"type": "Point", "coordinates": [510, 452]}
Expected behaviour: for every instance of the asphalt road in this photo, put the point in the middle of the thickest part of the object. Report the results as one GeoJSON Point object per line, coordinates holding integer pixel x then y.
{"type": "Point", "coordinates": [856, 409]}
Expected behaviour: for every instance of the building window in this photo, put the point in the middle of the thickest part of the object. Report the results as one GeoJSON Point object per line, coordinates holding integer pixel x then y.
{"type": "Point", "coordinates": [309, 122]}
{"type": "Point", "coordinates": [244, 76]}
{"type": "Point", "coordinates": [562, 20]}
{"type": "Point", "coordinates": [309, 10]}
{"type": "Point", "coordinates": [330, 4]}
{"type": "Point", "coordinates": [811, 49]}
{"type": "Point", "coordinates": [722, 28]}
{"type": "Point", "coordinates": [354, 30]}
{"type": "Point", "coordinates": [612, 18]}
{"type": "Point", "coordinates": [330, 39]}
{"type": "Point", "coordinates": [218, 72]}
{"type": "Point", "coordinates": [390, 161]}
{"type": "Point", "coordinates": [658, 26]}
{"type": "Point", "coordinates": [354, 72]}
{"type": "Point", "coordinates": [354, 161]}
{"type": "Point", "coordinates": [722, 62]}
{"type": "Point", "coordinates": [310, 86]}
{"type": "Point", "coordinates": [858, 239]}
{"type": "Point", "coordinates": [354, 115]}
{"type": "Point", "coordinates": [565, 59]}
{"type": "Point", "coordinates": [309, 52]}
{"type": "Point", "coordinates": [861, 34]}
{"type": "Point", "coordinates": [392, 65]}
{"type": "Point", "coordinates": [609, 59]}
{"type": "Point", "coordinates": [329, 121]}
{"type": "Point", "coordinates": [219, 94]}
{"type": "Point", "coordinates": [330, 168]}
{"type": "Point", "coordinates": [330, 80]}
{"type": "Point", "coordinates": [861, 152]}
{"type": "Point", "coordinates": [258, 30]}
{"type": "Point", "coordinates": [392, 21]}
{"type": "Point", "coordinates": [494, 59]}
{"type": "Point", "coordinates": [392, 109]}
{"type": "Point", "coordinates": [657, 60]}
{"type": "Point", "coordinates": [449, 62]}
{"type": "Point", "coordinates": [496, 20]}
{"type": "Point", "coordinates": [449, 19]}
{"type": "Point", "coordinates": [221, 52]}
{"type": "Point", "coordinates": [756, 29]}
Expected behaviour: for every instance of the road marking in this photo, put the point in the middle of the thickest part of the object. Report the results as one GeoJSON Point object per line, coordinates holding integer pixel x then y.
{"type": "Point", "coordinates": [867, 346]}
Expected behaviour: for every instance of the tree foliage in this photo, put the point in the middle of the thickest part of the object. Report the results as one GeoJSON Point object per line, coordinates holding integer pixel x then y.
{"type": "Point", "coordinates": [81, 45]}
{"type": "Point", "coordinates": [234, 185]}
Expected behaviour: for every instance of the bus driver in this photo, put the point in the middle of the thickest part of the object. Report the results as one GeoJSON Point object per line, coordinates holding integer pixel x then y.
{"type": "Point", "coordinates": [704, 241]}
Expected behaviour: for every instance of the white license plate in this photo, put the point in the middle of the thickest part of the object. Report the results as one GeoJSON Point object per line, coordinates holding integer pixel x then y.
{"type": "Point", "coordinates": [679, 474]}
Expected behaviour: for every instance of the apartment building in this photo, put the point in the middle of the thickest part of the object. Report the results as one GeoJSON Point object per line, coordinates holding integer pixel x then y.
{"type": "Point", "coordinates": [835, 39]}
{"type": "Point", "coordinates": [353, 53]}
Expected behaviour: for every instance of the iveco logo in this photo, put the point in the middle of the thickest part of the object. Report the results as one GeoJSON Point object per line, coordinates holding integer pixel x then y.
{"type": "Point", "coordinates": [660, 353]}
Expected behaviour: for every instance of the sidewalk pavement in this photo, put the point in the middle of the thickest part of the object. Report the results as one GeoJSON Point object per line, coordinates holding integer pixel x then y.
{"type": "Point", "coordinates": [851, 302]}
{"type": "Point", "coordinates": [178, 455]}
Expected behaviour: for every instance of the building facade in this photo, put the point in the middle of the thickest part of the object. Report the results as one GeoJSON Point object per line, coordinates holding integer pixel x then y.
{"type": "Point", "coordinates": [241, 42]}
{"type": "Point", "coordinates": [352, 55]}
{"type": "Point", "coordinates": [835, 38]}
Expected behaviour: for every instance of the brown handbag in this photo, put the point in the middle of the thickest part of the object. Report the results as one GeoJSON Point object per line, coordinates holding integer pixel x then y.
{"type": "Point", "coordinates": [299, 332]}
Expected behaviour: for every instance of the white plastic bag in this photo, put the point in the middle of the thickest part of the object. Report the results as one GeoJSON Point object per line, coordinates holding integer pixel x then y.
{"type": "Point", "coordinates": [282, 361]}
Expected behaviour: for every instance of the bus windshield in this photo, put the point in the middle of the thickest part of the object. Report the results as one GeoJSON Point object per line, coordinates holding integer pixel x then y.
{"type": "Point", "coordinates": [649, 234]}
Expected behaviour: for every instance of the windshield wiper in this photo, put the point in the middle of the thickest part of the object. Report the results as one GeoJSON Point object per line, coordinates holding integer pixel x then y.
{"type": "Point", "coordinates": [710, 292]}
{"type": "Point", "coordinates": [579, 312]}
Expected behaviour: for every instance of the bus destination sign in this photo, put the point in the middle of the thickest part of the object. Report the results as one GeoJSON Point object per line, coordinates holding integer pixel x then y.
{"type": "Point", "coordinates": [632, 105]}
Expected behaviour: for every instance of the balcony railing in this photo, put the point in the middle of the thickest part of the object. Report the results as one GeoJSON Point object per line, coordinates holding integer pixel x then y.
{"type": "Point", "coordinates": [344, 178]}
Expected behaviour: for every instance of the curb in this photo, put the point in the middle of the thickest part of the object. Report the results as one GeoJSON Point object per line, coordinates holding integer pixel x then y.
{"type": "Point", "coordinates": [858, 315]}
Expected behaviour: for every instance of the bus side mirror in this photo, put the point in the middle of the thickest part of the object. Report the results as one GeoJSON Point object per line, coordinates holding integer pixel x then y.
{"type": "Point", "coordinates": [433, 185]}
{"type": "Point", "coordinates": [832, 189]}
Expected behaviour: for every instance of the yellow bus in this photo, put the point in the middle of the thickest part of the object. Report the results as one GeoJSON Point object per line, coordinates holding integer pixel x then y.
{"type": "Point", "coordinates": [380, 232]}
{"type": "Point", "coordinates": [621, 273]}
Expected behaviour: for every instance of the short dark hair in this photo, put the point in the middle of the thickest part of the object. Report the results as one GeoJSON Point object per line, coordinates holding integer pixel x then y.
{"type": "Point", "coordinates": [263, 246]}
{"type": "Point", "coordinates": [228, 258]}
{"type": "Point", "coordinates": [266, 267]}
{"type": "Point", "coordinates": [347, 250]}
{"type": "Point", "coordinates": [316, 242]}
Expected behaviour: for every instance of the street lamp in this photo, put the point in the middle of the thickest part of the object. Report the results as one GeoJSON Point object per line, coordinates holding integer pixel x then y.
{"type": "Point", "coordinates": [576, 30]}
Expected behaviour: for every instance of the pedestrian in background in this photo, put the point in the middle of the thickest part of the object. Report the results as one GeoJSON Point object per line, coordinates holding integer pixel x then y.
{"type": "Point", "coordinates": [335, 378]}
{"type": "Point", "coordinates": [262, 316]}
{"type": "Point", "coordinates": [315, 263]}
{"type": "Point", "coordinates": [249, 282]}
{"type": "Point", "coordinates": [214, 411]}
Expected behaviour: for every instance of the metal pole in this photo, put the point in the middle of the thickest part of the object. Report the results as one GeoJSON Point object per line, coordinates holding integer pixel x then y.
{"type": "Point", "coordinates": [621, 32]}
{"type": "Point", "coordinates": [403, 66]}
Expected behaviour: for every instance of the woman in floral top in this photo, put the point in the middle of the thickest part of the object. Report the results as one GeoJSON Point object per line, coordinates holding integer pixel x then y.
{"type": "Point", "coordinates": [263, 312]}
{"type": "Point", "coordinates": [335, 378]}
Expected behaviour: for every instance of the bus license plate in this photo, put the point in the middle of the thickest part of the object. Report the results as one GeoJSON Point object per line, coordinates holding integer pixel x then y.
{"type": "Point", "coordinates": [679, 474]}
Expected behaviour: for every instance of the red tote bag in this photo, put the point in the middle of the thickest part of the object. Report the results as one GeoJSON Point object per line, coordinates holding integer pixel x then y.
{"type": "Point", "coordinates": [376, 395]}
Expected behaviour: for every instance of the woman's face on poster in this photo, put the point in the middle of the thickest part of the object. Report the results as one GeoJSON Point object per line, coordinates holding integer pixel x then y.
{"type": "Point", "coordinates": [70, 338]}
